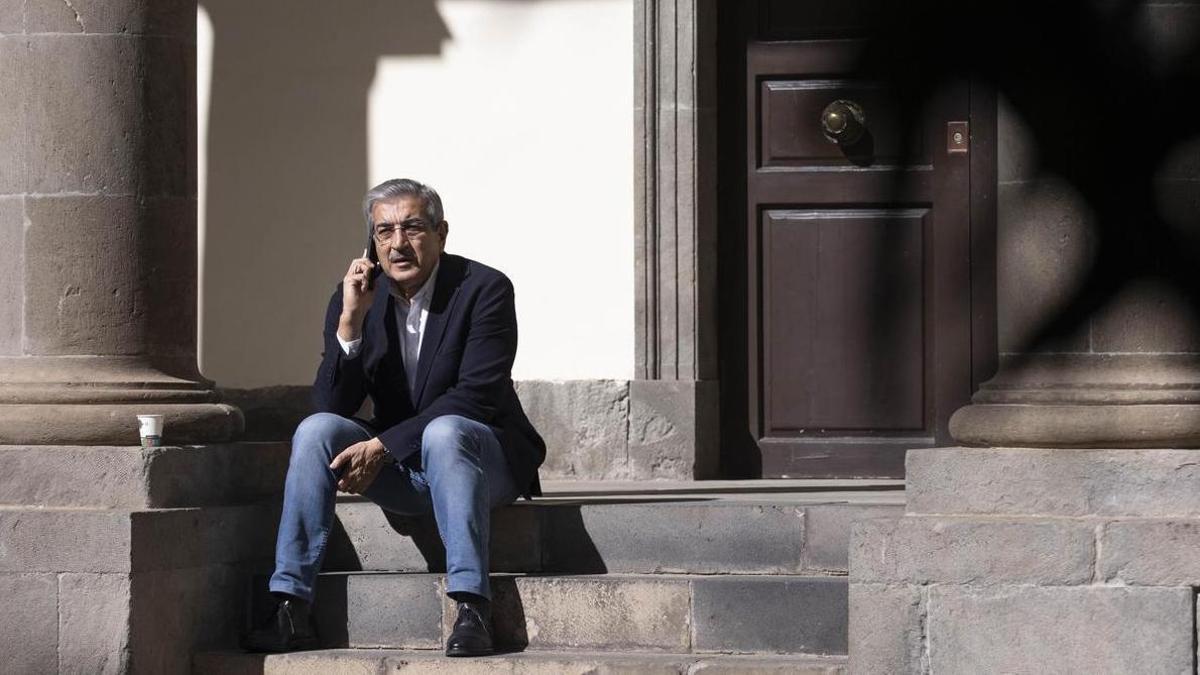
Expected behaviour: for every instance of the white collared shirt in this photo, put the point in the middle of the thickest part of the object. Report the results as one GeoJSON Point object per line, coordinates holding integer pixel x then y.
{"type": "Point", "coordinates": [411, 316]}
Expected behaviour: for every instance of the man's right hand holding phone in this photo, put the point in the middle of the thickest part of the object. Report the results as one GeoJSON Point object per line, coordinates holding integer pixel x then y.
{"type": "Point", "coordinates": [357, 294]}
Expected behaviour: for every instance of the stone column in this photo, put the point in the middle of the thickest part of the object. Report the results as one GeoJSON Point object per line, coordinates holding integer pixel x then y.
{"type": "Point", "coordinates": [98, 224]}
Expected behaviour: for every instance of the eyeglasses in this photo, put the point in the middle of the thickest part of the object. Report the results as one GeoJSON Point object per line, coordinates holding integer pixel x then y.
{"type": "Point", "coordinates": [412, 229]}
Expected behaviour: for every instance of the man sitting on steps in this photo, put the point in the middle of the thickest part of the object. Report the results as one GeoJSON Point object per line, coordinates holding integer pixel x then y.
{"type": "Point", "coordinates": [434, 351]}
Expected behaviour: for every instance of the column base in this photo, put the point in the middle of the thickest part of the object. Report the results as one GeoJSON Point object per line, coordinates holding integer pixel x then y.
{"type": "Point", "coordinates": [95, 400]}
{"type": "Point", "coordinates": [1086, 401]}
{"type": "Point", "coordinates": [1078, 426]}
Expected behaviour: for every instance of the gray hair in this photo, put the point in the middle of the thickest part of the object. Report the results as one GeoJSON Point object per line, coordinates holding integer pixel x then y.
{"type": "Point", "coordinates": [404, 187]}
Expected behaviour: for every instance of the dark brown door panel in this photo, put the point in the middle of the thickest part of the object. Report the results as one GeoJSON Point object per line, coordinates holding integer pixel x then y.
{"type": "Point", "coordinates": [844, 321]}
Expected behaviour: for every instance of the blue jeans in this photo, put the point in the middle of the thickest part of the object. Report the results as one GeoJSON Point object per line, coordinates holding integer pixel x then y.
{"type": "Point", "coordinates": [463, 476]}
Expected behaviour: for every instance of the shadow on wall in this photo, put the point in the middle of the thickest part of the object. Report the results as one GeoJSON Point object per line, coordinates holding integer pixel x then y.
{"type": "Point", "coordinates": [1107, 91]}
{"type": "Point", "coordinates": [287, 168]}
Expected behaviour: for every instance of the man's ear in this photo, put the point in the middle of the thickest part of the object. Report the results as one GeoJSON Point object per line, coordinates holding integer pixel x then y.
{"type": "Point", "coordinates": [443, 229]}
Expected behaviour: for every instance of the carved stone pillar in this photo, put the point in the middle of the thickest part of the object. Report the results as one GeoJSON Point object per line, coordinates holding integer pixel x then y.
{"type": "Point", "coordinates": [98, 225]}
{"type": "Point", "coordinates": [674, 401]}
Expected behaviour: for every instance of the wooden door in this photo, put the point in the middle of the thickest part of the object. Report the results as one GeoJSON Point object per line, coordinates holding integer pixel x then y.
{"type": "Point", "coordinates": [858, 263]}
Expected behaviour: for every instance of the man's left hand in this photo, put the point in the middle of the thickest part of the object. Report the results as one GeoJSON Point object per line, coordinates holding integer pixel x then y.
{"type": "Point", "coordinates": [362, 462]}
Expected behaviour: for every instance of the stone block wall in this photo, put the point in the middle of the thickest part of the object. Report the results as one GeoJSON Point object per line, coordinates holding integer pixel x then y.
{"type": "Point", "coordinates": [1038, 561]}
{"type": "Point", "coordinates": [622, 430]}
{"type": "Point", "coordinates": [594, 429]}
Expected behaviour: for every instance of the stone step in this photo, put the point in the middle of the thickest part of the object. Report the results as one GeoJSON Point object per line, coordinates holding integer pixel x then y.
{"type": "Point", "coordinates": [668, 613]}
{"type": "Point", "coordinates": [651, 532]}
{"type": "Point", "coordinates": [326, 662]}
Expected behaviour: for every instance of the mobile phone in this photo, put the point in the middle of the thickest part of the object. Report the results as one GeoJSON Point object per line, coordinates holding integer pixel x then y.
{"type": "Point", "coordinates": [374, 258]}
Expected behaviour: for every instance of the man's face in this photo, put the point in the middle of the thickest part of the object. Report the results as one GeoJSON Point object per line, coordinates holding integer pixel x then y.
{"type": "Point", "coordinates": [408, 244]}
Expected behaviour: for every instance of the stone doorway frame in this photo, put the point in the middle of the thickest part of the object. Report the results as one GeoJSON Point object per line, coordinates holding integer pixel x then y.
{"type": "Point", "coordinates": [675, 238]}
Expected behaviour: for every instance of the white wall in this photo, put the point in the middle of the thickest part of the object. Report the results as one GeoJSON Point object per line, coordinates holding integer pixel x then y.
{"type": "Point", "coordinates": [524, 124]}
{"type": "Point", "coordinates": [523, 121]}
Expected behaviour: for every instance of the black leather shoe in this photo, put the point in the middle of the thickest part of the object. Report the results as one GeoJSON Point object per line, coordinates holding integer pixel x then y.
{"type": "Point", "coordinates": [472, 634]}
{"type": "Point", "coordinates": [290, 628]}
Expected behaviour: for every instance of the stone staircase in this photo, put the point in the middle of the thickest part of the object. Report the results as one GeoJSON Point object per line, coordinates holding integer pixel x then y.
{"type": "Point", "coordinates": [714, 577]}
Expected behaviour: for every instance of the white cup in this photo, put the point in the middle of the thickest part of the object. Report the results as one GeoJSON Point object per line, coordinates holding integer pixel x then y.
{"type": "Point", "coordinates": [150, 429]}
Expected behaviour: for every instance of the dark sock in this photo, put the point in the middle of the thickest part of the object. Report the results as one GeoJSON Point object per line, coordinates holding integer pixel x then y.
{"type": "Point", "coordinates": [463, 596]}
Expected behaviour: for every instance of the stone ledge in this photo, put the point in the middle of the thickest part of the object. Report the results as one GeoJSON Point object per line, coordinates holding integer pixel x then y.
{"type": "Point", "coordinates": [1054, 482]}
{"type": "Point", "coordinates": [132, 477]}
{"type": "Point", "coordinates": [931, 549]}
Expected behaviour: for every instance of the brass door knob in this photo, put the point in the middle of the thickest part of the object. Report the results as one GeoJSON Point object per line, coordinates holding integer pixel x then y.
{"type": "Point", "coordinates": [843, 122]}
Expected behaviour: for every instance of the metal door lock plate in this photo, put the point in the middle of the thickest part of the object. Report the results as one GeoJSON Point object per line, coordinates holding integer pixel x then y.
{"type": "Point", "coordinates": [958, 137]}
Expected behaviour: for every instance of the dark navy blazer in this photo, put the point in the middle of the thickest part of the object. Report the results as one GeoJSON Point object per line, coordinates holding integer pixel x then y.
{"type": "Point", "coordinates": [464, 368]}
